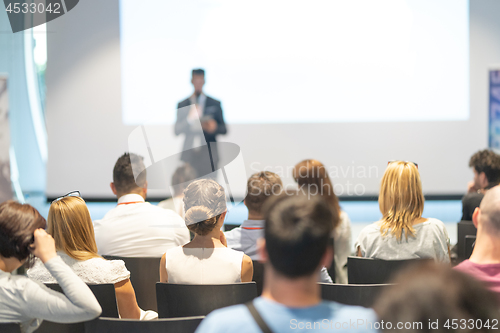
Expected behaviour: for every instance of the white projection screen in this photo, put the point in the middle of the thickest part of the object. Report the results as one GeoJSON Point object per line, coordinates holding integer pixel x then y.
{"type": "Point", "coordinates": [353, 84]}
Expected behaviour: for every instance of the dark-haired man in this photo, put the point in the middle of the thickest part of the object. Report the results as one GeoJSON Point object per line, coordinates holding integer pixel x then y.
{"type": "Point", "coordinates": [135, 228]}
{"type": "Point", "coordinates": [486, 167]}
{"type": "Point", "coordinates": [297, 234]}
{"type": "Point", "coordinates": [208, 111]}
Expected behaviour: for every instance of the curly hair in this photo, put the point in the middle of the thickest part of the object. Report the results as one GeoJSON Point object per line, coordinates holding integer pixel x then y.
{"type": "Point", "coordinates": [261, 186]}
{"type": "Point", "coordinates": [488, 162]}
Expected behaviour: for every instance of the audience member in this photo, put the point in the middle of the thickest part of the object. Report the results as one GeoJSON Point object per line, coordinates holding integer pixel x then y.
{"type": "Point", "coordinates": [260, 186]}
{"type": "Point", "coordinates": [70, 224]}
{"type": "Point", "coordinates": [403, 233]}
{"type": "Point", "coordinates": [312, 176]}
{"type": "Point", "coordinates": [484, 263]}
{"type": "Point", "coordinates": [297, 233]}
{"type": "Point", "coordinates": [180, 179]}
{"type": "Point", "coordinates": [206, 259]}
{"type": "Point", "coordinates": [135, 228]}
{"type": "Point", "coordinates": [434, 298]}
{"type": "Point", "coordinates": [486, 167]}
{"type": "Point", "coordinates": [23, 300]}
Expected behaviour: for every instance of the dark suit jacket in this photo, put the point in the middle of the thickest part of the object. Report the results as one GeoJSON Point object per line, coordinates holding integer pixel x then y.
{"type": "Point", "coordinates": [212, 108]}
{"type": "Point", "coordinates": [470, 202]}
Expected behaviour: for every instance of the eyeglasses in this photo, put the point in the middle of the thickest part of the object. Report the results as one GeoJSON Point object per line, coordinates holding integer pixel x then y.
{"type": "Point", "coordinates": [70, 194]}
{"type": "Point", "coordinates": [416, 164]}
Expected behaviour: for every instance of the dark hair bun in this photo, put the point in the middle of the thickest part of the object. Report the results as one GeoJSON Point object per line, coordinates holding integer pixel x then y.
{"type": "Point", "coordinates": [200, 220]}
{"type": "Point", "coordinates": [197, 214]}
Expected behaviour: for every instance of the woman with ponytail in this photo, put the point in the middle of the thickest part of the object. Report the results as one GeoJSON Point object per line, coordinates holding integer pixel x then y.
{"type": "Point", "coordinates": [403, 233]}
{"type": "Point", "coordinates": [206, 259]}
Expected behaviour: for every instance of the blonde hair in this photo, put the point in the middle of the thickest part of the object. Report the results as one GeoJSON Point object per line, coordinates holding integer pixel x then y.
{"type": "Point", "coordinates": [401, 200]}
{"type": "Point", "coordinates": [70, 224]}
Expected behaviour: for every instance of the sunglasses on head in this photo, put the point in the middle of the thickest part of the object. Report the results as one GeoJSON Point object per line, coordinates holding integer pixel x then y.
{"type": "Point", "coordinates": [70, 194]}
{"type": "Point", "coordinates": [416, 164]}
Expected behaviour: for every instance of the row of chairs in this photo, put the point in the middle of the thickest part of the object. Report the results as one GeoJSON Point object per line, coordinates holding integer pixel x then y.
{"type": "Point", "coordinates": [466, 237]}
{"type": "Point", "coordinates": [367, 278]}
{"type": "Point", "coordinates": [114, 325]}
{"type": "Point", "coordinates": [177, 302]}
{"type": "Point", "coordinates": [144, 275]}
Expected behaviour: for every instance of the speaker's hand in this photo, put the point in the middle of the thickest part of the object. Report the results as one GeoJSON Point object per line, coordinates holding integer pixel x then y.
{"type": "Point", "coordinates": [209, 126]}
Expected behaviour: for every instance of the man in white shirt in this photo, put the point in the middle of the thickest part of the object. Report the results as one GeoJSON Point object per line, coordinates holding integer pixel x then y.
{"type": "Point", "coordinates": [135, 228]}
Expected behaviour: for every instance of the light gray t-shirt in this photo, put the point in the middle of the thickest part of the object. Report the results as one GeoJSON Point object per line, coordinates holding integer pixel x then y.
{"type": "Point", "coordinates": [430, 241]}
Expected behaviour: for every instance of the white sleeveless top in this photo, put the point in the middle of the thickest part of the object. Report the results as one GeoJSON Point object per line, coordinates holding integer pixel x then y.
{"type": "Point", "coordinates": [93, 271]}
{"type": "Point", "coordinates": [218, 265]}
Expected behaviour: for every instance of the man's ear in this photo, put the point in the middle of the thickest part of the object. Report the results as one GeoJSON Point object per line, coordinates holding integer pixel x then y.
{"type": "Point", "coordinates": [145, 188]}
{"type": "Point", "coordinates": [475, 216]}
{"type": "Point", "coordinates": [222, 217]}
{"type": "Point", "coordinates": [326, 260]}
{"type": "Point", "coordinates": [113, 188]}
{"type": "Point", "coordinates": [261, 250]}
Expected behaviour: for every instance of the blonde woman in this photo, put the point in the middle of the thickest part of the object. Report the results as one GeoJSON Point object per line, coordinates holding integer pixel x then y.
{"type": "Point", "coordinates": [24, 301]}
{"type": "Point", "coordinates": [403, 233]}
{"type": "Point", "coordinates": [206, 259]}
{"type": "Point", "coordinates": [311, 175]}
{"type": "Point", "coordinates": [70, 225]}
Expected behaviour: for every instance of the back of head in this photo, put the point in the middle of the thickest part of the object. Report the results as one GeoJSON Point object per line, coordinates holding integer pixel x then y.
{"type": "Point", "coordinates": [435, 292]}
{"type": "Point", "coordinates": [297, 233]}
{"type": "Point", "coordinates": [204, 202]}
{"type": "Point", "coordinates": [70, 224]}
{"type": "Point", "coordinates": [260, 186]}
{"type": "Point", "coordinates": [129, 173]}
{"type": "Point", "coordinates": [181, 176]}
{"type": "Point", "coordinates": [18, 222]}
{"type": "Point", "coordinates": [401, 199]}
{"type": "Point", "coordinates": [312, 177]}
{"type": "Point", "coordinates": [487, 161]}
{"type": "Point", "coordinates": [490, 210]}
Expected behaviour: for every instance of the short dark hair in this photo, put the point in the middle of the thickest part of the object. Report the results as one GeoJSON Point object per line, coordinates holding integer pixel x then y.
{"type": "Point", "coordinates": [297, 233]}
{"type": "Point", "coordinates": [431, 291]}
{"type": "Point", "coordinates": [260, 186]}
{"type": "Point", "coordinates": [198, 71]}
{"type": "Point", "coordinates": [18, 222]}
{"type": "Point", "coordinates": [123, 173]}
{"type": "Point", "coordinates": [488, 162]}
